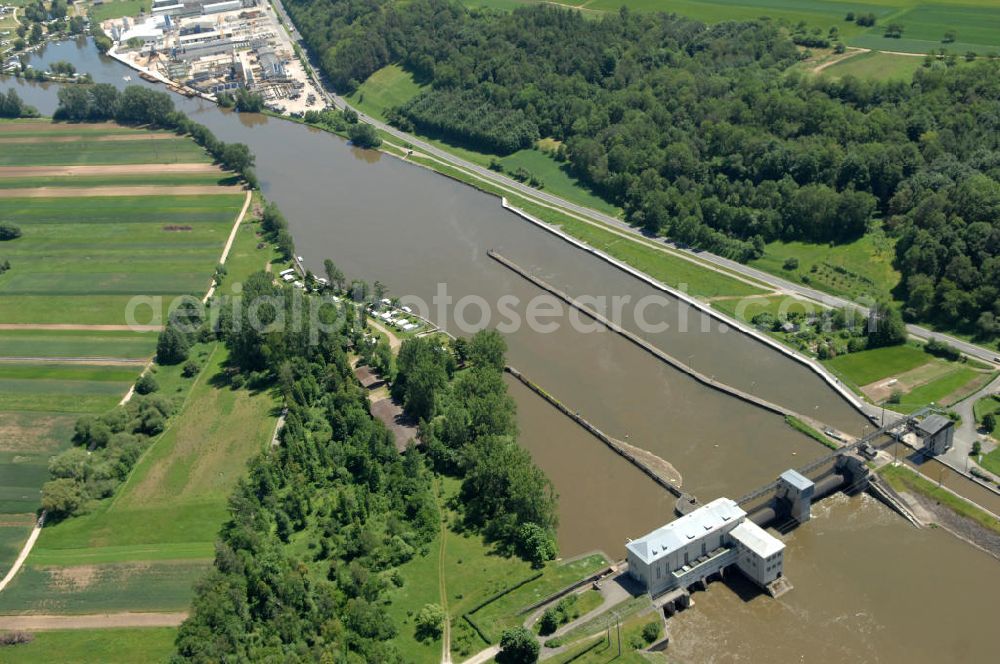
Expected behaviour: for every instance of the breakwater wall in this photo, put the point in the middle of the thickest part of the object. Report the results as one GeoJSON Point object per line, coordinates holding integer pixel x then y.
{"type": "Point", "coordinates": [597, 433]}
{"type": "Point", "coordinates": [646, 346]}
{"type": "Point", "coordinates": [742, 327]}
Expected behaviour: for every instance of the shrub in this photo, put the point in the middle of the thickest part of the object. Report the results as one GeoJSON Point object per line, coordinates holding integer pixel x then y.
{"type": "Point", "coordinates": [9, 232]}
{"type": "Point", "coordinates": [791, 263]}
{"type": "Point", "coordinates": [651, 631]}
{"type": "Point", "coordinates": [146, 384]}
{"type": "Point", "coordinates": [190, 369]}
{"type": "Point", "coordinates": [16, 638]}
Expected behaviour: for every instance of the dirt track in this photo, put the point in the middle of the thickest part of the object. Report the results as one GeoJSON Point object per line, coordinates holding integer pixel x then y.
{"type": "Point", "coordinates": [102, 192]}
{"type": "Point", "coordinates": [107, 169]}
{"type": "Point", "coordinates": [9, 140]}
{"type": "Point", "coordinates": [91, 621]}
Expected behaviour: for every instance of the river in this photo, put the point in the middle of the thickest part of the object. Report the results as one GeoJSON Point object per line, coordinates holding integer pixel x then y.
{"type": "Point", "coordinates": [865, 581]}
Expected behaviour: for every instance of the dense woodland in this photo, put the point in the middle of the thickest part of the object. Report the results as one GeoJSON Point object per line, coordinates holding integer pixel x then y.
{"type": "Point", "coordinates": [702, 134]}
{"type": "Point", "coordinates": [317, 529]}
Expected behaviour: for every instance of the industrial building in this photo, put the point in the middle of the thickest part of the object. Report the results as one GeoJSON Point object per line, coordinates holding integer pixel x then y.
{"type": "Point", "coordinates": [702, 543]}
{"type": "Point", "coordinates": [937, 432]}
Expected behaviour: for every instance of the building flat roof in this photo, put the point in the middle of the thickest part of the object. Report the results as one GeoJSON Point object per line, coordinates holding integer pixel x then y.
{"type": "Point", "coordinates": [758, 540]}
{"type": "Point", "coordinates": [796, 479]}
{"type": "Point", "coordinates": [933, 424]}
{"type": "Point", "coordinates": [705, 520]}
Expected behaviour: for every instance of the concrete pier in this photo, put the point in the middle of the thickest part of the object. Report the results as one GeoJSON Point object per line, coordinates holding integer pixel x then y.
{"type": "Point", "coordinates": [648, 347]}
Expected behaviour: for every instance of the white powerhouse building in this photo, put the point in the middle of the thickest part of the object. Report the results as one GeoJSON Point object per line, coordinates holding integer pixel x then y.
{"type": "Point", "coordinates": [699, 544]}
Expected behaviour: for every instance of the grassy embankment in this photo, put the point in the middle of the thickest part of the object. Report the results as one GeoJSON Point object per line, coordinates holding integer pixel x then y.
{"type": "Point", "coordinates": [78, 262]}
{"type": "Point", "coordinates": [902, 478]}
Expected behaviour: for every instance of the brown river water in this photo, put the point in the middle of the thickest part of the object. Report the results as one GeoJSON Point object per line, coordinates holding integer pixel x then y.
{"type": "Point", "coordinates": [868, 587]}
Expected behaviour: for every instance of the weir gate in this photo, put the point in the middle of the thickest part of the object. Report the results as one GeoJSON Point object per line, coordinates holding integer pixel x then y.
{"type": "Point", "coordinates": [785, 502]}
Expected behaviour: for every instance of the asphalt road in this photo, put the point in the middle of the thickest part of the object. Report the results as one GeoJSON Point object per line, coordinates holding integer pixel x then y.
{"type": "Point", "coordinates": [979, 352]}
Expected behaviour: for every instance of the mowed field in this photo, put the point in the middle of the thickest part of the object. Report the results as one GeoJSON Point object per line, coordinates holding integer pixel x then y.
{"type": "Point", "coordinates": [64, 348]}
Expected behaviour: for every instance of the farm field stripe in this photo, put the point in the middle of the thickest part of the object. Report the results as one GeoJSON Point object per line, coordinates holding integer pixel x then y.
{"type": "Point", "coordinates": [92, 361]}
{"type": "Point", "coordinates": [74, 326]}
{"type": "Point", "coordinates": [13, 140]}
{"type": "Point", "coordinates": [92, 621]}
{"type": "Point", "coordinates": [107, 192]}
{"type": "Point", "coordinates": [105, 169]}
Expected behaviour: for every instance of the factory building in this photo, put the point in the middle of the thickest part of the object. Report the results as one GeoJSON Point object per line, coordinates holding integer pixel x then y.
{"type": "Point", "coordinates": [271, 65]}
{"type": "Point", "coordinates": [701, 543]}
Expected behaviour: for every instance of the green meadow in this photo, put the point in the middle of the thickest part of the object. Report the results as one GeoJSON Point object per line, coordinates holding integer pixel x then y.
{"type": "Point", "coordinates": [76, 343]}
{"type": "Point", "coordinates": [91, 153]}
{"type": "Point", "coordinates": [98, 646]}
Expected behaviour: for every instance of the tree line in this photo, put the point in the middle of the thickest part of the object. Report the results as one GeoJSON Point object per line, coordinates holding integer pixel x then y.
{"type": "Point", "coordinates": [138, 105]}
{"type": "Point", "coordinates": [701, 133]}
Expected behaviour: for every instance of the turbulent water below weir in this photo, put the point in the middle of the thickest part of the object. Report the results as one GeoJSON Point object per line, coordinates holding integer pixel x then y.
{"type": "Point", "coordinates": [868, 587]}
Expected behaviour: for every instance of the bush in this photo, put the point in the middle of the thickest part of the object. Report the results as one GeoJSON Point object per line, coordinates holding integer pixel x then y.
{"type": "Point", "coordinates": [9, 232]}
{"type": "Point", "coordinates": [364, 135]}
{"type": "Point", "coordinates": [791, 263]}
{"type": "Point", "coordinates": [943, 350]}
{"type": "Point", "coordinates": [16, 638]}
{"type": "Point", "coordinates": [430, 622]}
{"type": "Point", "coordinates": [651, 631]}
{"type": "Point", "coordinates": [191, 369]}
{"type": "Point", "coordinates": [146, 384]}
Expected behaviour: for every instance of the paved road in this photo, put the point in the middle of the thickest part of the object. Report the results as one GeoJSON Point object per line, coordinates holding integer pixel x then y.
{"type": "Point", "coordinates": [987, 354]}
{"type": "Point", "coordinates": [966, 433]}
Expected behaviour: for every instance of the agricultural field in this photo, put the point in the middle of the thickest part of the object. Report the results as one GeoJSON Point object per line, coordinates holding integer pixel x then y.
{"type": "Point", "coordinates": [105, 646]}
{"type": "Point", "coordinates": [105, 213]}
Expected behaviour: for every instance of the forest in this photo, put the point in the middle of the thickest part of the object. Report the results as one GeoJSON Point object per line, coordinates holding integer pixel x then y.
{"type": "Point", "coordinates": [321, 522]}
{"type": "Point", "coordinates": [701, 133]}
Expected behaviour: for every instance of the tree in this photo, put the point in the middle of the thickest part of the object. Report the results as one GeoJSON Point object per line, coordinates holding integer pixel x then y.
{"type": "Point", "coordinates": [380, 290]}
{"type": "Point", "coordinates": [791, 263]}
{"type": "Point", "coordinates": [487, 349]}
{"type": "Point", "coordinates": [61, 497]}
{"type": "Point", "coordinates": [536, 544]}
{"type": "Point", "coordinates": [989, 422]}
{"type": "Point", "coordinates": [171, 346]}
{"type": "Point", "coordinates": [430, 622]}
{"type": "Point", "coordinates": [191, 369]}
{"type": "Point", "coordinates": [518, 646]}
{"type": "Point", "coordinates": [977, 448]}
{"type": "Point", "coordinates": [146, 384]}
{"type": "Point", "coordinates": [333, 274]}
{"type": "Point", "coordinates": [885, 326]}
{"type": "Point", "coordinates": [364, 135]}
{"type": "Point", "coordinates": [949, 37]}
